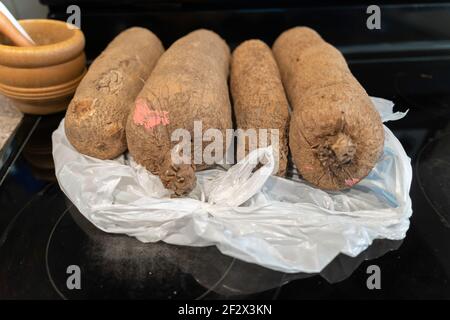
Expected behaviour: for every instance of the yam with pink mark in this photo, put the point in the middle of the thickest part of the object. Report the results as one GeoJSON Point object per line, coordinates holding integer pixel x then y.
{"type": "Point", "coordinates": [189, 83]}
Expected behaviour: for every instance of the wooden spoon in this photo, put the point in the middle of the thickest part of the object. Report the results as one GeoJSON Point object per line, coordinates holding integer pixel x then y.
{"type": "Point", "coordinates": [8, 28]}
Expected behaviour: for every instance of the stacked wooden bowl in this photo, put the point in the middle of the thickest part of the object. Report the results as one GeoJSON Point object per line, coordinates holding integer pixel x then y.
{"type": "Point", "coordinates": [42, 79]}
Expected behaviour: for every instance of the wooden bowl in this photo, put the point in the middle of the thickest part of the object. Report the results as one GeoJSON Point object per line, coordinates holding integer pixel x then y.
{"type": "Point", "coordinates": [42, 77]}
{"type": "Point", "coordinates": [63, 88]}
{"type": "Point", "coordinates": [46, 74]}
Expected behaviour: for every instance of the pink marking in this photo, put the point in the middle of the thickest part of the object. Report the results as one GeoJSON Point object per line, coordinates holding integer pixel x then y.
{"type": "Point", "coordinates": [309, 168]}
{"type": "Point", "coordinates": [351, 182]}
{"type": "Point", "coordinates": [149, 118]}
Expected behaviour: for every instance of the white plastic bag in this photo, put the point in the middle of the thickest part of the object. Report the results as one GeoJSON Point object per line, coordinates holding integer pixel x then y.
{"type": "Point", "coordinates": [278, 223]}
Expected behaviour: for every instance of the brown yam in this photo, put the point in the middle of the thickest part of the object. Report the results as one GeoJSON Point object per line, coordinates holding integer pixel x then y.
{"type": "Point", "coordinates": [96, 117]}
{"type": "Point", "coordinates": [259, 100]}
{"type": "Point", "coordinates": [336, 136]}
{"type": "Point", "coordinates": [189, 83]}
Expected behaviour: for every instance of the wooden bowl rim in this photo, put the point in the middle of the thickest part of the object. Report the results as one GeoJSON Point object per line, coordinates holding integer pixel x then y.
{"type": "Point", "coordinates": [44, 55]}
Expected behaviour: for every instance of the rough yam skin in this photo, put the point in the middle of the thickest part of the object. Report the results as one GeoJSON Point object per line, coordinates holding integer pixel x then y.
{"type": "Point", "coordinates": [189, 83]}
{"type": "Point", "coordinates": [259, 100]}
{"type": "Point", "coordinates": [96, 117]}
{"type": "Point", "coordinates": [336, 135]}
{"type": "Point", "coordinates": [291, 43]}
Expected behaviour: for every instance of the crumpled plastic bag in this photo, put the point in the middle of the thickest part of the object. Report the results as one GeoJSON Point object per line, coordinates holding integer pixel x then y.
{"type": "Point", "coordinates": [275, 222]}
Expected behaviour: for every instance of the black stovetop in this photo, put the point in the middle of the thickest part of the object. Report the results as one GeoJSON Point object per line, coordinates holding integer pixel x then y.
{"type": "Point", "coordinates": [42, 233]}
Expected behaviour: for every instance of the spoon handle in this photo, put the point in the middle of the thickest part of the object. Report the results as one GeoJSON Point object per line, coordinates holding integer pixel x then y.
{"type": "Point", "coordinates": [12, 28]}
{"type": "Point", "coordinates": [8, 29]}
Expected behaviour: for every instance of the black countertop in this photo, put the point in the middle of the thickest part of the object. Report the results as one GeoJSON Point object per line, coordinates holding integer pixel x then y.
{"type": "Point", "coordinates": [42, 233]}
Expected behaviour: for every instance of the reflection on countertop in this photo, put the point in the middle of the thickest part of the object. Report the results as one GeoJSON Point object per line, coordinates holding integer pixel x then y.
{"type": "Point", "coordinates": [120, 266]}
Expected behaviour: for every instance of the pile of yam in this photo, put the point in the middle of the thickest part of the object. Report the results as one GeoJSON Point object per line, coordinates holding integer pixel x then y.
{"type": "Point", "coordinates": [135, 96]}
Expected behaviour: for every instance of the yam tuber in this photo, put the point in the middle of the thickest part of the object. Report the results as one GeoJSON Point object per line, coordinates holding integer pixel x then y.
{"type": "Point", "coordinates": [259, 100]}
{"type": "Point", "coordinates": [336, 135]}
{"type": "Point", "coordinates": [96, 117]}
{"type": "Point", "coordinates": [189, 83]}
